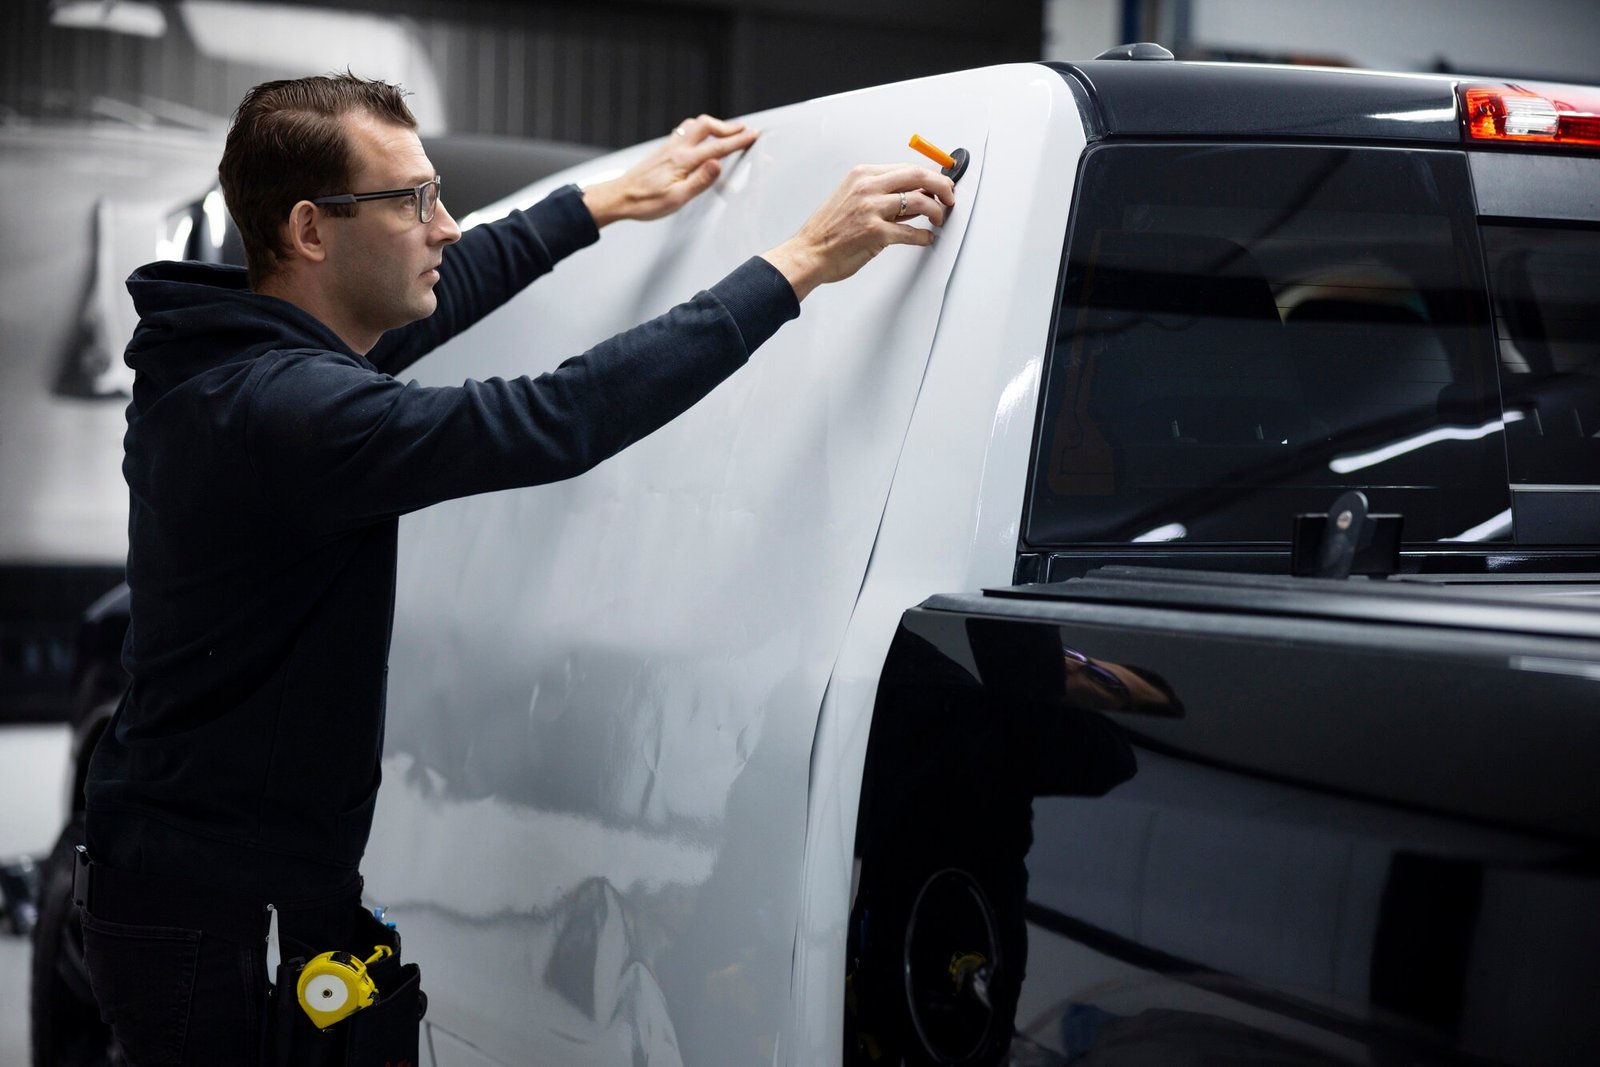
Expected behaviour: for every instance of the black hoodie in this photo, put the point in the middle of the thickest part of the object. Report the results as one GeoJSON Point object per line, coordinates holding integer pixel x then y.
{"type": "Point", "coordinates": [267, 466]}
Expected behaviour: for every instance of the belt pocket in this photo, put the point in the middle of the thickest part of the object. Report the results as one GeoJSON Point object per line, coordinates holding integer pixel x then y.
{"type": "Point", "coordinates": [386, 1033]}
{"type": "Point", "coordinates": [143, 982]}
{"type": "Point", "coordinates": [290, 1039]}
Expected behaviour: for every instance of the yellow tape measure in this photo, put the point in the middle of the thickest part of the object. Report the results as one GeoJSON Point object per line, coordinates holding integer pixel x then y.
{"type": "Point", "coordinates": [336, 985]}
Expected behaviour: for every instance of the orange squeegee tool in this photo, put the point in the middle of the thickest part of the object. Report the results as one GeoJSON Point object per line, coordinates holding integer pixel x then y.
{"type": "Point", "coordinates": [932, 151]}
{"type": "Point", "coordinates": [951, 164]}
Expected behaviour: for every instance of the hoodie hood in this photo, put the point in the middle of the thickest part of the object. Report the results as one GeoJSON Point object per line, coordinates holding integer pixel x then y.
{"type": "Point", "coordinates": [195, 317]}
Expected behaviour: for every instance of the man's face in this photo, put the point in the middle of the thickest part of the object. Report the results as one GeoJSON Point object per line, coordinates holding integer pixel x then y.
{"type": "Point", "coordinates": [384, 261]}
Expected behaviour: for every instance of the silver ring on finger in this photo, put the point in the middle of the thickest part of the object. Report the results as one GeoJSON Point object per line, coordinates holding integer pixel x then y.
{"type": "Point", "coordinates": [681, 132]}
{"type": "Point", "coordinates": [902, 212]}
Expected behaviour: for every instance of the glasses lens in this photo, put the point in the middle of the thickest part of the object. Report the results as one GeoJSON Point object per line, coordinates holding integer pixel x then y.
{"type": "Point", "coordinates": [1107, 678]}
{"type": "Point", "coordinates": [427, 200]}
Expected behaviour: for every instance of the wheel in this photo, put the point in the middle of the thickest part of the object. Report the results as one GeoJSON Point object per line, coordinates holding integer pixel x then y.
{"type": "Point", "coordinates": [952, 954]}
{"type": "Point", "coordinates": [936, 956]}
{"type": "Point", "coordinates": [66, 1026]}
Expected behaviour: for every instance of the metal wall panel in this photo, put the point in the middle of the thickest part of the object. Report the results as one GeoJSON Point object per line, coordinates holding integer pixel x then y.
{"type": "Point", "coordinates": [592, 75]}
{"type": "Point", "coordinates": [601, 75]}
{"type": "Point", "coordinates": [607, 74]}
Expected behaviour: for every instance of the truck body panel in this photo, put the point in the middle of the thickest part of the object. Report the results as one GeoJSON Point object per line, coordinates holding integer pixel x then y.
{"type": "Point", "coordinates": [1337, 840]}
{"type": "Point", "coordinates": [602, 713]}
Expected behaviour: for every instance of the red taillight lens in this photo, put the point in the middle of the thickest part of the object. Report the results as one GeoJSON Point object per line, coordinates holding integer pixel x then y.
{"type": "Point", "coordinates": [1578, 128]}
{"type": "Point", "coordinates": [1558, 115]}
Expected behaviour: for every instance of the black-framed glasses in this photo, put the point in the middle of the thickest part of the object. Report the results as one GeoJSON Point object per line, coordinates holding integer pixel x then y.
{"type": "Point", "coordinates": [427, 195]}
{"type": "Point", "coordinates": [1098, 673]}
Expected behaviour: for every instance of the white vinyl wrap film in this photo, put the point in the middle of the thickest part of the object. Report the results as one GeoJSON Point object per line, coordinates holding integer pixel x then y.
{"type": "Point", "coordinates": [604, 693]}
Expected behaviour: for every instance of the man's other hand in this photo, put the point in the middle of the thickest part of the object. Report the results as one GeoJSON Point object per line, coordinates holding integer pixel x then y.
{"type": "Point", "coordinates": [869, 211]}
{"type": "Point", "coordinates": [680, 169]}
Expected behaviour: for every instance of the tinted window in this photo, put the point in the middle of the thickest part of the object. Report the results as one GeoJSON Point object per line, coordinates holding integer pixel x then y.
{"type": "Point", "coordinates": [1248, 331]}
{"type": "Point", "coordinates": [1546, 286]}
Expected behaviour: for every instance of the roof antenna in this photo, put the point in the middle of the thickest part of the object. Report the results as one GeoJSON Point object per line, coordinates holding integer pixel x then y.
{"type": "Point", "coordinates": [1142, 50]}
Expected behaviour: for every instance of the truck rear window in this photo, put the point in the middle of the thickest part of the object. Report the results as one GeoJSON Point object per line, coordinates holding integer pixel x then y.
{"type": "Point", "coordinates": [1245, 332]}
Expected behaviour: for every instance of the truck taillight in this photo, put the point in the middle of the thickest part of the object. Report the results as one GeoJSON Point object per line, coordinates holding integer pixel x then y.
{"type": "Point", "coordinates": [1557, 115]}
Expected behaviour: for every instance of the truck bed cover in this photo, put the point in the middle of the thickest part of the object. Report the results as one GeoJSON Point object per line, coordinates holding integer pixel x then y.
{"type": "Point", "coordinates": [1552, 605]}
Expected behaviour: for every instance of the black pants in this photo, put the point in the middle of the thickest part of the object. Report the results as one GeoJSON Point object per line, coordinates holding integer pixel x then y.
{"type": "Point", "coordinates": [177, 996]}
{"type": "Point", "coordinates": [189, 986]}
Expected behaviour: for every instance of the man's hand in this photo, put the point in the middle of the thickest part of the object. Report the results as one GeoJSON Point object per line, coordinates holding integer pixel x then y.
{"type": "Point", "coordinates": [682, 168]}
{"type": "Point", "coordinates": [866, 214]}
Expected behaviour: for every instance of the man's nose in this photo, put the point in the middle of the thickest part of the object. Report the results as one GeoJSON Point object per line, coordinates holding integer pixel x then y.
{"type": "Point", "coordinates": [443, 229]}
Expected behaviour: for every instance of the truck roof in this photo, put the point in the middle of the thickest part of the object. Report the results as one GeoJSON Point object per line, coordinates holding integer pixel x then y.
{"type": "Point", "coordinates": [1165, 98]}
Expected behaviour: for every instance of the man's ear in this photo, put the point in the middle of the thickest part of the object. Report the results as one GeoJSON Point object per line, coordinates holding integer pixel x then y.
{"type": "Point", "coordinates": [304, 239]}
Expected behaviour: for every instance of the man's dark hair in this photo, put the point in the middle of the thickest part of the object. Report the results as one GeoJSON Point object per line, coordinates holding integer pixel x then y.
{"type": "Point", "coordinates": [287, 143]}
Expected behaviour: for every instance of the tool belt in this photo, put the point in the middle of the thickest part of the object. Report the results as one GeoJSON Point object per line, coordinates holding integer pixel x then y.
{"type": "Point", "coordinates": [379, 1026]}
{"type": "Point", "coordinates": [385, 1032]}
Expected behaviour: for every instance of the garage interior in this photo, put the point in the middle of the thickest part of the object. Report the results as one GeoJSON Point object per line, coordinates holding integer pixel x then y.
{"type": "Point", "coordinates": [503, 78]}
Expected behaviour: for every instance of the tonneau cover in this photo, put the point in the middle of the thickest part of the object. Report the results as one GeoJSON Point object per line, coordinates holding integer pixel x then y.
{"type": "Point", "coordinates": [1544, 605]}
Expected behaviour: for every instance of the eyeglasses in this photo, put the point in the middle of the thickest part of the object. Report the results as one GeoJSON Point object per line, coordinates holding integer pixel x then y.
{"type": "Point", "coordinates": [427, 195]}
{"type": "Point", "coordinates": [1098, 673]}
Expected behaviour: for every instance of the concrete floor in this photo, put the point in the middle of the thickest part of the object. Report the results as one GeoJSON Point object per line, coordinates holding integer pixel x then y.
{"type": "Point", "coordinates": [33, 766]}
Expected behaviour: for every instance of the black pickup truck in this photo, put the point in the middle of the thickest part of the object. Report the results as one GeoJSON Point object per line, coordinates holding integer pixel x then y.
{"type": "Point", "coordinates": [1237, 772]}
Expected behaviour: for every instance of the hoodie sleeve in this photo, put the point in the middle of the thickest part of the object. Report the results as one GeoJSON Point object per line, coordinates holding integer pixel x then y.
{"type": "Point", "coordinates": [488, 266]}
{"type": "Point", "coordinates": [337, 445]}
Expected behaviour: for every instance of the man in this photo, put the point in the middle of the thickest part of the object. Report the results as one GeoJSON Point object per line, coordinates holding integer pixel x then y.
{"type": "Point", "coordinates": [269, 454]}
